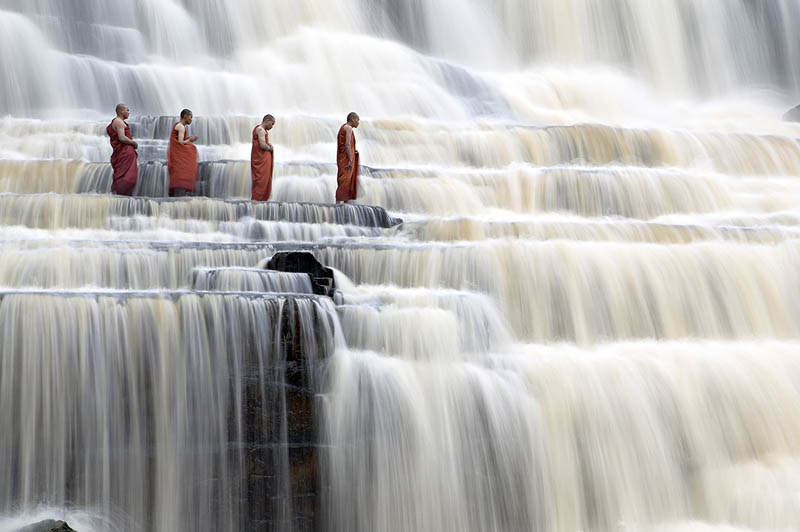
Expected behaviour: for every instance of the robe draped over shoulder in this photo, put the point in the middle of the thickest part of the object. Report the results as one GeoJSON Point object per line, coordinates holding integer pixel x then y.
{"type": "Point", "coordinates": [123, 162]}
{"type": "Point", "coordinates": [181, 162]}
{"type": "Point", "coordinates": [347, 180]}
{"type": "Point", "coordinates": [262, 163]}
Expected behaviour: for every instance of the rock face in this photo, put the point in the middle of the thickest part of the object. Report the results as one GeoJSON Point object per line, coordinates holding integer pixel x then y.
{"type": "Point", "coordinates": [303, 262]}
{"type": "Point", "coordinates": [49, 525]}
{"type": "Point", "coordinates": [290, 433]}
{"type": "Point", "coordinates": [793, 115]}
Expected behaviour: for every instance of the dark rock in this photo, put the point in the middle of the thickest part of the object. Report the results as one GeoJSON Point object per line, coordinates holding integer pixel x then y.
{"type": "Point", "coordinates": [322, 281]}
{"type": "Point", "coordinates": [49, 525]}
{"type": "Point", "coordinates": [793, 115]}
{"type": "Point", "coordinates": [279, 440]}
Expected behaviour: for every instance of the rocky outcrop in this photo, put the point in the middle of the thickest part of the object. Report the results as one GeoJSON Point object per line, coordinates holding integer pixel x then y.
{"type": "Point", "coordinates": [48, 525]}
{"type": "Point", "coordinates": [322, 281]}
{"type": "Point", "coordinates": [793, 115]}
{"type": "Point", "coordinates": [281, 428]}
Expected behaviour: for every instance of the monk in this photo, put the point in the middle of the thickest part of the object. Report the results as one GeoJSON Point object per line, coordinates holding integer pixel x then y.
{"type": "Point", "coordinates": [182, 157]}
{"type": "Point", "coordinates": [347, 160]}
{"type": "Point", "coordinates": [123, 155]}
{"type": "Point", "coordinates": [262, 160]}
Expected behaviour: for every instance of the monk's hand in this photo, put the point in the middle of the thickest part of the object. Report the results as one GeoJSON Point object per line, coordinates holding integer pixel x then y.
{"type": "Point", "coordinates": [193, 138]}
{"type": "Point", "coordinates": [135, 145]}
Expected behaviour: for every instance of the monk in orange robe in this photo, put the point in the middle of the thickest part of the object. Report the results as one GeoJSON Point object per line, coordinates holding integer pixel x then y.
{"type": "Point", "coordinates": [347, 160]}
{"type": "Point", "coordinates": [182, 157]}
{"type": "Point", "coordinates": [262, 160]}
{"type": "Point", "coordinates": [123, 155]}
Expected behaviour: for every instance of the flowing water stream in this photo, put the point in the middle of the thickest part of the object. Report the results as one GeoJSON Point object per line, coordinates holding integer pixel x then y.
{"type": "Point", "coordinates": [588, 319]}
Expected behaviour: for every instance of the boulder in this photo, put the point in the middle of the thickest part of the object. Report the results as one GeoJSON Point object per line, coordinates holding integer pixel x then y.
{"type": "Point", "coordinates": [322, 282]}
{"type": "Point", "coordinates": [49, 525]}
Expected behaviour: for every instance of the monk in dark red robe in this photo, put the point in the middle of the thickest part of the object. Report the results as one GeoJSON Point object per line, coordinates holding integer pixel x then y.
{"type": "Point", "coordinates": [182, 157]}
{"type": "Point", "coordinates": [347, 160]}
{"type": "Point", "coordinates": [262, 160]}
{"type": "Point", "coordinates": [123, 156]}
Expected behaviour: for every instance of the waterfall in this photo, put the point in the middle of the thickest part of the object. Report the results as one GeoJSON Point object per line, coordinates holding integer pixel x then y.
{"type": "Point", "coordinates": [565, 439]}
{"type": "Point", "coordinates": [566, 299]}
{"type": "Point", "coordinates": [102, 51]}
{"type": "Point", "coordinates": [251, 280]}
{"type": "Point", "coordinates": [153, 408]}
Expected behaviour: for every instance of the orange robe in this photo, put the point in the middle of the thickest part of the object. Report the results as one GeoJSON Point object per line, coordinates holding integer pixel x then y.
{"type": "Point", "coordinates": [262, 163]}
{"type": "Point", "coordinates": [346, 179]}
{"type": "Point", "coordinates": [181, 162]}
{"type": "Point", "coordinates": [123, 162]}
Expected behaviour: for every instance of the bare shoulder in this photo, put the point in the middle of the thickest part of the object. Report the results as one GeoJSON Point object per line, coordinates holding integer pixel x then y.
{"type": "Point", "coordinates": [117, 122]}
{"type": "Point", "coordinates": [179, 127]}
{"type": "Point", "coordinates": [260, 129]}
{"type": "Point", "coordinates": [348, 128]}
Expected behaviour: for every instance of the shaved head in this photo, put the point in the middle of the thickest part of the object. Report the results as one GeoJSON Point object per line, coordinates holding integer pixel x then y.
{"type": "Point", "coordinates": [353, 120]}
{"type": "Point", "coordinates": [123, 111]}
{"type": "Point", "coordinates": [268, 118]}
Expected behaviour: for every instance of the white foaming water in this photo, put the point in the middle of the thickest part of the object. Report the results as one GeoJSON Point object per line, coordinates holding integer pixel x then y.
{"type": "Point", "coordinates": [591, 430]}
{"type": "Point", "coordinates": [587, 322]}
{"type": "Point", "coordinates": [159, 424]}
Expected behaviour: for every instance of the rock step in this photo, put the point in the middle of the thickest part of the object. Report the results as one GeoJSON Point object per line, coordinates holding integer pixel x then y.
{"type": "Point", "coordinates": [52, 211]}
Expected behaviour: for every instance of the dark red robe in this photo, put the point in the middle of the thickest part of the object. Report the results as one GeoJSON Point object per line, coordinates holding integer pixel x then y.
{"type": "Point", "coordinates": [262, 163]}
{"type": "Point", "coordinates": [347, 179]}
{"type": "Point", "coordinates": [123, 162]}
{"type": "Point", "coordinates": [181, 161]}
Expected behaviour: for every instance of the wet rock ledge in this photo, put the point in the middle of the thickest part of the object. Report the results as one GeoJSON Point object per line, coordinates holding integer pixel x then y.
{"type": "Point", "coordinates": [48, 525]}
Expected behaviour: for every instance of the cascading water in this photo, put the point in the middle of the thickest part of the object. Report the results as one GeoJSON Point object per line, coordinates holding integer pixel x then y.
{"type": "Point", "coordinates": [588, 319]}
{"type": "Point", "coordinates": [143, 408]}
